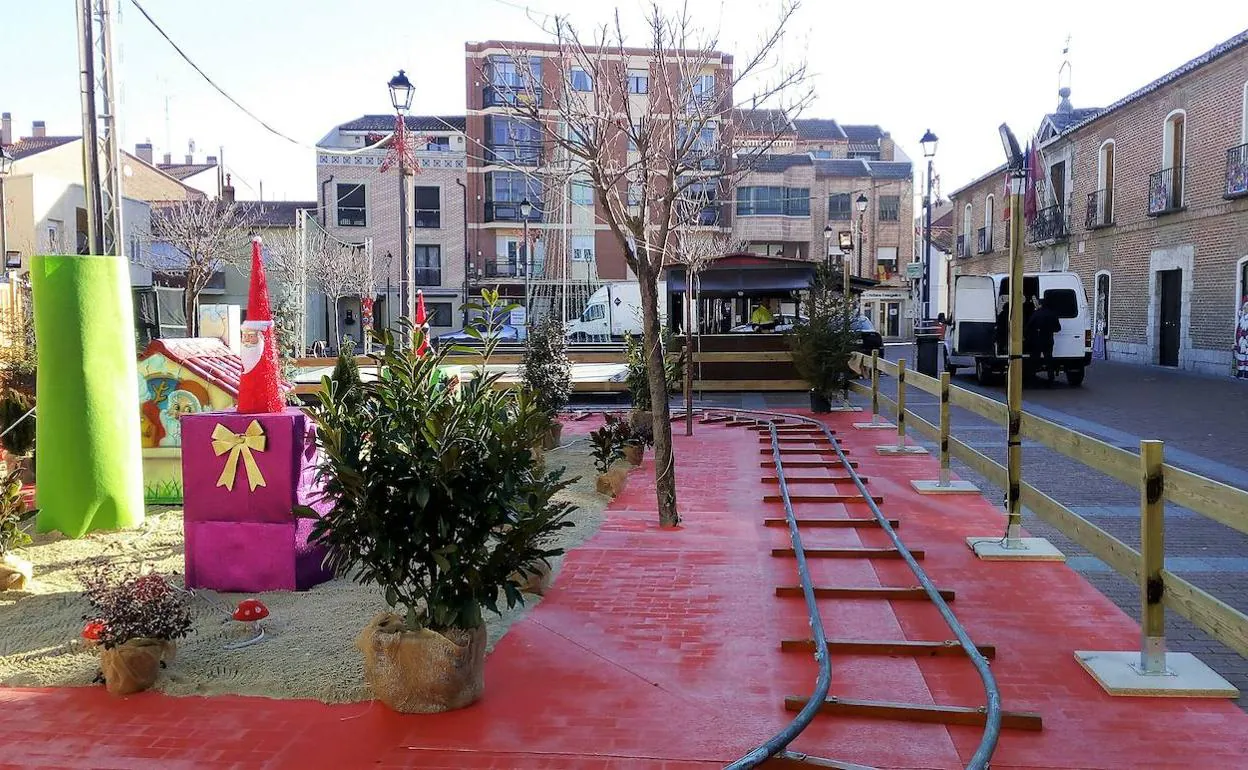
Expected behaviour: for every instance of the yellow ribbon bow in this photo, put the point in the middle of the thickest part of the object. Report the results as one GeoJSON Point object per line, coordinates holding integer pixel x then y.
{"type": "Point", "coordinates": [225, 440]}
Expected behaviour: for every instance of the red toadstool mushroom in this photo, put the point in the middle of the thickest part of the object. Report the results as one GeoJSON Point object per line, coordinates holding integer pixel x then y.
{"type": "Point", "coordinates": [92, 631]}
{"type": "Point", "coordinates": [250, 611]}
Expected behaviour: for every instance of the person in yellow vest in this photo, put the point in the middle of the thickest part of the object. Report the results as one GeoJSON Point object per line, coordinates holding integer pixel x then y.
{"type": "Point", "coordinates": [762, 318]}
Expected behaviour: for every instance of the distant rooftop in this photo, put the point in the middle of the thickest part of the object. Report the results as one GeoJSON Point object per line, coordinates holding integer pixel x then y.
{"type": "Point", "coordinates": [181, 171]}
{"type": "Point", "coordinates": [414, 123]}
{"type": "Point", "coordinates": [32, 145]}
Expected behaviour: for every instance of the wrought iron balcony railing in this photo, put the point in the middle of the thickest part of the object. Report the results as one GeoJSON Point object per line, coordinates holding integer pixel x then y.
{"type": "Point", "coordinates": [509, 211]}
{"type": "Point", "coordinates": [1237, 171]}
{"type": "Point", "coordinates": [1100, 209]}
{"type": "Point", "coordinates": [1165, 191]}
{"type": "Point", "coordinates": [1050, 225]}
{"type": "Point", "coordinates": [514, 154]}
{"type": "Point", "coordinates": [985, 240]}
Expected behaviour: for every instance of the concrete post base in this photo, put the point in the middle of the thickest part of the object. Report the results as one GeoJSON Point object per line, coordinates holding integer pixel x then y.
{"type": "Point", "coordinates": [1119, 673]}
{"type": "Point", "coordinates": [875, 426]}
{"type": "Point", "coordinates": [953, 488]}
{"type": "Point", "coordinates": [1027, 549]}
{"type": "Point", "coordinates": [893, 449]}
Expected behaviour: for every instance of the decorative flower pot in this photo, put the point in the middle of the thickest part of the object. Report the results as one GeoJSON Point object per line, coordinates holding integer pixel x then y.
{"type": "Point", "coordinates": [633, 453]}
{"type": "Point", "coordinates": [819, 403]}
{"type": "Point", "coordinates": [15, 573]}
{"type": "Point", "coordinates": [611, 483]}
{"type": "Point", "coordinates": [640, 417]}
{"type": "Point", "coordinates": [133, 666]}
{"type": "Point", "coordinates": [422, 672]}
{"type": "Point", "coordinates": [539, 457]}
{"type": "Point", "coordinates": [554, 436]}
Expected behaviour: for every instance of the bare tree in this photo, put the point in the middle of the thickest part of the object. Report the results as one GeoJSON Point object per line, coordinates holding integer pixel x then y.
{"type": "Point", "coordinates": [335, 267]}
{"type": "Point", "coordinates": [195, 240]}
{"type": "Point", "coordinates": [656, 162]}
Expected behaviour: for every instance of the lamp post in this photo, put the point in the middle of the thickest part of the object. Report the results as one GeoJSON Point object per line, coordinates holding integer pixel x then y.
{"type": "Point", "coordinates": [401, 92]}
{"type": "Point", "coordinates": [861, 203]}
{"type": "Point", "coordinates": [929, 151]}
{"type": "Point", "coordinates": [6, 165]}
{"type": "Point", "coordinates": [526, 209]}
{"type": "Point", "coordinates": [827, 245]}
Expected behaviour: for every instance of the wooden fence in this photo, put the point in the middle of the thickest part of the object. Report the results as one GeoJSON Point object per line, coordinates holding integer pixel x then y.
{"type": "Point", "coordinates": [1156, 480]}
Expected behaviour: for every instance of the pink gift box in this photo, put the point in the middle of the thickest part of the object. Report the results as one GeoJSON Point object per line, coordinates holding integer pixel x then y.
{"type": "Point", "coordinates": [245, 540]}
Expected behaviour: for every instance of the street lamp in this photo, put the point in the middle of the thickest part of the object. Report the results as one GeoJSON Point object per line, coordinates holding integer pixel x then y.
{"type": "Point", "coordinates": [6, 165]}
{"type": "Point", "coordinates": [861, 204]}
{"type": "Point", "coordinates": [928, 141]}
{"type": "Point", "coordinates": [827, 244]}
{"type": "Point", "coordinates": [401, 92]}
{"type": "Point", "coordinates": [526, 209]}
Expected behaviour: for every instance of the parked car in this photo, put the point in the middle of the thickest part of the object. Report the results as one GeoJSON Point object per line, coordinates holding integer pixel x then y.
{"type": "Point", "coordinates": [506, 333]}
{"type": "Point", "coordinates": [869, 339]}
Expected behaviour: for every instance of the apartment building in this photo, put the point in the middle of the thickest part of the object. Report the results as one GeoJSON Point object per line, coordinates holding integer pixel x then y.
{"type": "Point", "coordinates": [1147, 200]}
{"type": "Point", "coordinates": [806, 188]}
{"type": "Point", "coordinates": [512, 161]}
{"type": "Point", "coordinates": [359, 204]}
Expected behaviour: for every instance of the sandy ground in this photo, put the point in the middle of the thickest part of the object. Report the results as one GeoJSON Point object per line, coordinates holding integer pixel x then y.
{"type": "Point", "coordinates": [309, 651]}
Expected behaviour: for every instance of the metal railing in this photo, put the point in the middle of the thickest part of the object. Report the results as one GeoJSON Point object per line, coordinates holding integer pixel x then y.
{"type": "Point", "coordinates": [514, 153]}
{"type": "Point", "coordinates": [1050, 225]}
{"type": "Point", "coordinates": [509, 211]}
{"type": "Point", "coordinates": [985, 240]}
{"type": "Point", "coordinates": [1100, 209]}
{"type": "Point", "coordinates": [506, 95]}
{"type": "Point", "coordinates": [1237, 172]}
{"type": "Point", "coordinates": [1165, 191]}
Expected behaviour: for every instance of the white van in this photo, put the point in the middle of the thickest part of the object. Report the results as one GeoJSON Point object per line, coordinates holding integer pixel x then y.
{"type": "Point", "coordinates": [975, 340]}
{"type": "Point", "coordinates": [611, 312]}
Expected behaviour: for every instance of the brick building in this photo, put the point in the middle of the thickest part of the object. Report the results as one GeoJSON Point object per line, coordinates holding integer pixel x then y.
{"type": "Point", "coordinates": [1147, 200]}
{"type": "Point", "coordinates": [358, 203]}
{"type": "Point", "coordinates": [511, 160]}
{"type": "Point", "coordinates": [810, 179]}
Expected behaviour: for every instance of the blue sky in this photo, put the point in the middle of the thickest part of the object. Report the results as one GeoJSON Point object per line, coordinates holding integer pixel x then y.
{"type": "Point", "coordinates": [305, 65]}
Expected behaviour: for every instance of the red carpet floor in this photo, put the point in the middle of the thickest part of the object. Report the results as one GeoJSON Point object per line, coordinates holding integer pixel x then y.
{"type": "Point", "coordinates": [660, 649]}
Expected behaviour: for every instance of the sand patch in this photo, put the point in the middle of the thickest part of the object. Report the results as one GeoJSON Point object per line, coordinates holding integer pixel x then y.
{"type": "Point", "coordinates": [309, 652]}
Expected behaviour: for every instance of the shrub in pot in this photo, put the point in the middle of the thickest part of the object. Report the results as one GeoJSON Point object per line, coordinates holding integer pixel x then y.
{"type": "Point", "coordinates": [15, 572]}
{"type": "Point", "coordinates": [19, 441]}
{"type": "Point", "coordinates": [636, 378]}
{"type": "Point", "coordinates": [607, 446]}
{"type": "Point", "coordinates": [136, 619]}
{"type": "Point", "coordinates": [546, 372]}
{"type": "Point", "coordinates": [824, 344]}
{"type": "Point", "coordinates": [438, 502]}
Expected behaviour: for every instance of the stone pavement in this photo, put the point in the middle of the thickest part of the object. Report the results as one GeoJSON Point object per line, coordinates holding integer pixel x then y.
{"type": "Point", "coordinates": [1202, 419]}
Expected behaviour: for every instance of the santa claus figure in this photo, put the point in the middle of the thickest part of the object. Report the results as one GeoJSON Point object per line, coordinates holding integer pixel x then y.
{"type": "Point", "coordinates": [259, 389]}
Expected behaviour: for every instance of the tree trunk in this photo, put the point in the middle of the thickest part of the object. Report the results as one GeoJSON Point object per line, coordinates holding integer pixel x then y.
{"type": "Point", "coordinates": [190, 300]}
{"type": "Point", "coordinates": [337, 341]}
{"type": "Point", "coordinates": [664, 461]}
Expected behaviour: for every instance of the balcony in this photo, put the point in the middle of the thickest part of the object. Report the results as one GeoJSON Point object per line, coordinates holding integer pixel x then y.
{"type": "Point", "coordinates": [514, 154]}
{"type": "Point", "coordinates": [1050, 225]}
{"type": "Point", "coordinates": [502, 95]}
{"type": "Point", "coordinates": [959, 248]}
{"type": "Point", "coordinates": [427, 276]}
{"type": "Point", "coordinates": [508, 211]}
{"type": "Point", "coordinates": [1165, 191]}
{"type": "Point", "coordinates": [1100, 209]}
{"type": "Point", "coordinates": [428, 218]}
{"type": "Point", "coordinates": [985, 240]}
{"type": "Point", "coordinates": [513, 267]}
{"type": "Point", "coordinates": [1237, 172]}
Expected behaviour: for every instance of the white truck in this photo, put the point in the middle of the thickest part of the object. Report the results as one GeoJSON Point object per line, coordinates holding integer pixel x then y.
{"type": "Point", "coordinates": [613, 311]}
{"type": "Point", "coordinates": [976, 340]}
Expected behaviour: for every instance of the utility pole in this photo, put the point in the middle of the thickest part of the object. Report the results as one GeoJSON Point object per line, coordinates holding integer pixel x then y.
{"type": "Point", "coordinates": [99, 127]}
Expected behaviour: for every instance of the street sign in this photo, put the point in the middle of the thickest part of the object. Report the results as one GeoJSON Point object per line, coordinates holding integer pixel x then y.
{"type": "Point", "coordinates": [914, 270]}
{"type": "Point", "coordinates": [519, 317]}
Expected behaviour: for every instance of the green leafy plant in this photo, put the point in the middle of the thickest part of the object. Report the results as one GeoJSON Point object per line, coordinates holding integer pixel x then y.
{"type": "Point", "coordinates": [607, 446]}
{"type": "Point", "coordinates": [635, 369]}
{"type": "Point", "coordinates": [824, 344]}
{"type": "Point", "coordinates": [20, 438]}
{"type": "Point", "coordinates": [437, 499]}
{"type": "Point", "coordinates": [12, 513]}
{"type": "Point", "coordinates": [546, 370]}
{"type": "Point", "coordinates": [127, 605]}
{"type": "Point", "coordinates": [346, 375]}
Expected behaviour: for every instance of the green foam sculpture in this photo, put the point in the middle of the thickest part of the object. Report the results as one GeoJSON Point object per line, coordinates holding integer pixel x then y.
{"type": "Point", "coordinates": [90, 471]}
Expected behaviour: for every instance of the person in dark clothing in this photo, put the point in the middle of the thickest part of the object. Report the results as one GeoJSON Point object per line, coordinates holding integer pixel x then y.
{"type": "Point", "coordinates": [1003, 329]}
{"type": "Point", "coordinates": [1040, 329]}
{"type": "Point", "coordinates": [725, 317]}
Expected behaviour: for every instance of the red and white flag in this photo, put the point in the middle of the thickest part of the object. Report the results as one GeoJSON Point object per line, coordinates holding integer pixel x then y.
{"type": "Point", "coordinates": [422, 323]}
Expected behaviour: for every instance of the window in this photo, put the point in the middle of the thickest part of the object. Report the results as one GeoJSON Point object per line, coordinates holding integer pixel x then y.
{"type": "Point", "coordinates": [632, 136]}
{"type": "Point", "coordinates": [134, 248]}
{"type": "Point", "coordinates": [428, 207]}
{"type": "Point", "coordinates": [512, 140]}
{"type": "Point", "coordinates": [789, 201]}
{"type": "Point", "coordinates": [886, 261]}
{"type": "Point", "coordinates": [966, 225]}
{"type": "Point", "coordinates": [582, 193]}
{"type": "Point", "coordinates": [595, 312]}
{"type": "Point", "coordinates": [438, 144]}
{"type": "Point", "coordinates": [890, 208]}
{"type": "Point", "coordinates": [839, 206]}
{"type": "Point", "coordinates": [701, 90]}
{"type": "Point", "coordinates": [1174, 152]}
{"type": "Point", "coordinates": [352, 205]}
{"type": "Point", "coordinates": [507, 73]}
{"type": "Point", "coordinates": [1103, 203]}
{"type": "Point", "coordinates": [821, 154]}
{"type": "Point", "coordinates": [766, 249]}
{"type": "Point", "coordinates": [638, 81]}
{"type": "Point", "coordinates": [990, 206]}
{"type": "Point", "coordinates": [580, 80]}
{"type": "Point", "coordinates": [1064, 302]}
{"type": "Point", "coordinates": [428, 265]}
{"type": "Point", "coordinates": [513, 187]}
{"type": "Point", "coordinates": [440, 313]}
{"type": "Point", "coordinates": [635, 193]}
{"type": "Point", "coordinates": [582, 248]}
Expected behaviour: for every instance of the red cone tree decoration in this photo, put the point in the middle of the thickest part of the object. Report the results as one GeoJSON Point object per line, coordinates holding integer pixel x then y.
{"type": "Point", "coordinates": [259, 391]}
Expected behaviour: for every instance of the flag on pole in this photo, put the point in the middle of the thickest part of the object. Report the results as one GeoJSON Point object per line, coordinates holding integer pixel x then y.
{"type": "Point", "coordinates": [422, 323]}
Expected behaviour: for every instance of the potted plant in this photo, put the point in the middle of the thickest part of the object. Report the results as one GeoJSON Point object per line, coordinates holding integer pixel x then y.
{"type": "Point", "coordinates": [607, 446]}
{"type": "Point", "coordinates": [136, 619]}
{"type": "Point", "coordinates": [437, 501]}
{"type": "Point", "coordinates": [15, 572]}
{"type": "Point", "coordinates": [18, 420]}
{"type": "Point", "coordinates": [824, 344]}
{"type": "Point", "coordinates": [636, 377]}
{"type": "Point", "coordinates": [546, 372]}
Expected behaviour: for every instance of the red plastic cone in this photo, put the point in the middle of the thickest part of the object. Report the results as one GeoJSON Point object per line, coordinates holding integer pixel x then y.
{"type": "Point", "coordinates": [258, 391]}
{"type": "Point", "coordinates": [422, 323]}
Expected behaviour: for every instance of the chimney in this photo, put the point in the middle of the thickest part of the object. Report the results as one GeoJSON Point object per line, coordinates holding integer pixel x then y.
{"type": "Point", "coordinates": [211, 160]}
{"type": "Point", "coordinates": [144, 151]}
{"type": "Point", "coordinates": [190, 159]}
{"type": "Point", "coordinates": [168, 159]}
{"type": "Point", "coordinates": [227, 192]}
{"type": "Point", "coordinates": [6, 128]}
{"type": "Point", "coordinates": [38, 128]}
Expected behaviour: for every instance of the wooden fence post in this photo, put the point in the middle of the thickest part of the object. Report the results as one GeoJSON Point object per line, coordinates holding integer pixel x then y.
{"type": "Point", "coordinates": [1152, 558]}
{"type": "Point", "coordinates": [945, 428]}
{"type": "Point", "coordinates": [875, 387]}
{"type": "Point", "coordinates": [901, 404]}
